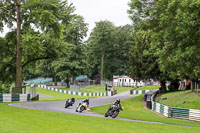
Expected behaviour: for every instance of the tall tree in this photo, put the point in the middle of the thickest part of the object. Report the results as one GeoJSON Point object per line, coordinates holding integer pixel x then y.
{"type": "Point", "coordinates": [19, 49]}
{"type": "Point", "coordinates": [101, 42]}
{"type": "Point", "coordinates": [142, 61]}
{"type": "Point", "coordinates": [42, 18]}
{"type": "Point", "coordinates": [175, 30]}
{"type": "Point", "coordinates": [124, 41]}
{"type": "Point", "coordinates": [71, 63]}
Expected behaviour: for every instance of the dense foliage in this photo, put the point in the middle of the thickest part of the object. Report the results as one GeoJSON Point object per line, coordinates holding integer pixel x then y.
{"type": "Point", "coordinates": [174, 38]}
{"type": "Point", "coordinates": [174, 26]}
{"type": "Point", "coordinates": [107, 49]}
{"type": "Point", "coordinates": [37, 36]}
{"type": "Point", "coordinates": [49, 40]}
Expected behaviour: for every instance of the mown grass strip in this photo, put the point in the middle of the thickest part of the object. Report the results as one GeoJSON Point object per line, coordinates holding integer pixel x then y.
{"type": "Point", "coordinates": [134, 109]}
{"type": "Point", "coordinates": [99, 88]}
{"type": "Point", "coordinates": [148, 88]}
{"type": "Point", "coordinates": [19, 120]}
{"type": "Point", "coordinates": [181, 99]}
{"type": "Point", "coordinates": [56, 96]}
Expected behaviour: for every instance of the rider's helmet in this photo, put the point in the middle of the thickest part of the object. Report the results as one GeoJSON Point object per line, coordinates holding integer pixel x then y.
{"type": "Point", "coordinates": [87, 100]}
{"type": "Point", "coordinates": [73, 99]}
{"type": "Point", "coordinates": [118, 101]}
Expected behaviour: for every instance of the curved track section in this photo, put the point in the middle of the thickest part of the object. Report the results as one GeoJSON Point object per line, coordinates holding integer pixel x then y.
{"type": "Point", "coordinates": [58, 106]}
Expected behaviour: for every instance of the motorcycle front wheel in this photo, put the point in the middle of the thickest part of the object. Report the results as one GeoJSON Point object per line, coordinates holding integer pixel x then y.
{"type": "Point", "coordinates": [106, 114]}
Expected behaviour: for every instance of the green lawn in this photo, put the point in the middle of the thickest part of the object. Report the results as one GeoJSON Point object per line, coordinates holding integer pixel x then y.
{"type": "Point", "coordinates": [62, 96]}
{"type": "Point", "coordinates": [19, 120]}
{"type": "Point", "coordinates": [99, 88]}
{"type": "Point", "coordinates": [89, 89]}
{"type": "Point", "coordinates": [182, 99]}
{"type": "Point", "coordinates": [134, 109]}
{"type": "Point", "coordinates": [93, 89]}
{"type": "Point", "coordinates": [148, 87]}
{"type": "Point", "coordinates": [57, 95]}
{"type": "Point", "coordinates": [121, 89]}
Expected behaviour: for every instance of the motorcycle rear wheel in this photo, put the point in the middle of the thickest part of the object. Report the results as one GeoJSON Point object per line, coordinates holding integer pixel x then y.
{"type": "Point", "coordinates": [115, 114]}
{"type": "Point", "coordinates": [81, 109]}
{"type": "Point", "coordinates": [66, 105]}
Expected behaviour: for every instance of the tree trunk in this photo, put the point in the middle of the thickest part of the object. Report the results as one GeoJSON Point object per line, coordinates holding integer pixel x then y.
{"type": "Point", "coordinates": [67, 81]}
{"type": "Point", "coordinates": [195, 86]}
{"type": "Point", "coordinates": [102, 63]}
{"type": "Point", "coordinates": [174, 85]}
{"type": "Point", "coordinates": [74, 80]}
{"type": "Point", "coordinates": [191, 86]}
{"type": "Point", "coordinates": [18, 83]}
{"type": "Point", "coordinates": [163, 88]}
{"type": "Point", "coordinates": [55, 81]}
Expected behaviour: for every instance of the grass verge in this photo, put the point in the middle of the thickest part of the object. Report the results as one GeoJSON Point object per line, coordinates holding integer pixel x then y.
{"type": "Point", "coordinates": [134, 109]}
{"type": "Point", "coordinates": [19, 120]}
{"type": "Point", "coordinates": [182, 99]}
{"type": "Point", "coordinates": [99, 88]}
{"type": "Point", "coordinates": [56, 96]}
{"type": "Point", "coordinates": [148, 87]}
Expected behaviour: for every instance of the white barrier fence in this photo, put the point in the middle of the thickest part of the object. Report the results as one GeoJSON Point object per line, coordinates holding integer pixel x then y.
{"type": "Point", "coordinates": [108, 93]}
{"type": "Point", "coordinates": [14, 97]}
{"type": "Point", "coordinates": [179, 113]}
{"type": "Point", "coordinates": [173, 112]}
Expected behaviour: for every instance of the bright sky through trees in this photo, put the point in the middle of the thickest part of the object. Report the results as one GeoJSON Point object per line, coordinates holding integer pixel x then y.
{"type": "Point", "coordinates": [96, 10]}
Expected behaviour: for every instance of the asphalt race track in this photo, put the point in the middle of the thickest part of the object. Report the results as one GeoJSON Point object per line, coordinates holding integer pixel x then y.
{"type": "Point", "coordinates": [58, 106]}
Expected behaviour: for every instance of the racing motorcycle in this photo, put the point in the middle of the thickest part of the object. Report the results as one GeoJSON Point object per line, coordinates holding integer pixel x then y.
{"type": "Point", "coordinates": [69, 102]}
{"type": "Point", "coordinates": [82, 106]}
{"type": "Point", "coordinates": [113, 110]}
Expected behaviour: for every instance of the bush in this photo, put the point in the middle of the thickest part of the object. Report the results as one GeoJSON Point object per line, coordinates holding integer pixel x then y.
{"type": "Point", "coordinates": [4, 88]}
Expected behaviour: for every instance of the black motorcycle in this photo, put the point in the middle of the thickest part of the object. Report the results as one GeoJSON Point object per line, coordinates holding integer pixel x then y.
{"type": "Point", "coordinates": [69, 102]}
{"type": "Point", "coordinates": [113, 111]}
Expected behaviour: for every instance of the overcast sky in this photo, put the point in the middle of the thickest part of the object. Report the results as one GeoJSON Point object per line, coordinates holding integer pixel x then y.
{"type": "Point", "coordinates": [96, 10]}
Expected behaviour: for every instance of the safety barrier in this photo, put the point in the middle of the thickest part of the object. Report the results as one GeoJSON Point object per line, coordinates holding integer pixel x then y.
{"type": "Point", "coordinates": [161, 109]}
{"type": "Point", "coordinates": [178, 113]}
{"type": "Point", "coordinates": [138, 91]}
{"type": "Point", "coordinates": [172, 112]}
{"type": "Point", "coordinates": [108, 93]}
{"type": "Point", "coordinates": [194, 115]}
{"type": "Point", "coordinates": [14, 97]}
